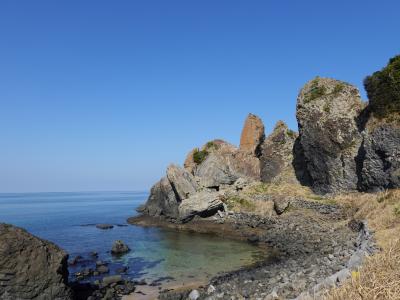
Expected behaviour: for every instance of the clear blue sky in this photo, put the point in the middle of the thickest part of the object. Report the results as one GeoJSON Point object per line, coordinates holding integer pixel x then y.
{"type": "Point", "coordinates": [102, 95]}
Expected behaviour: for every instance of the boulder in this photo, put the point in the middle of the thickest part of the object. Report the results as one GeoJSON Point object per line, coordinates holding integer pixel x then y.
{"type": "Point", "coordinates": [327, 112]}
{"type": "Point", "coordinates": [380, 156]}
{"type": "Point", "coordinates": [213, 172]}
{"type": "Point", "coordinates": [30, 267]}
{"type": "Point", "coordinates": [119, 247]}
{"type": "Point", "coordinates": [252, 134]}
{"type": "Point", "coordinates": [276, 160]}
{"type": "Point", "coordinates": [281, 204]}
{"type": "Point", "coordinates": [203, 203]}
{"type": "Point", "coordinates": [182, 182]}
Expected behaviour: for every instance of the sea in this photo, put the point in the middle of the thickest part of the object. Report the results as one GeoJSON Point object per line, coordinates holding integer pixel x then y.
{"type": "Point", "coordinates": [68, 219]}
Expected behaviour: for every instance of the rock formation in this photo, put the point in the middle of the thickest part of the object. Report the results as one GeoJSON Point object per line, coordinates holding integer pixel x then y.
{"type": "Point", "coordinates": [31, 268]}
{"type": "Point", "coordinates": [342, 145]}
{"type": "Point", "coordinates": [276, 160]}
{"type": "Point", "coordinates": [380, 156]}
{"type": "Point", "coordinates": [252, 134]}
{"type": "Point", "coordinates": [327, 112]}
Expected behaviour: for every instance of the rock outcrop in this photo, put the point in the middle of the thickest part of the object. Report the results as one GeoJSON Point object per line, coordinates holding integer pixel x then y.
{"type": "Point", "coordinates": [252, 134]}
{"type": "Point", "coordinates": [380, 155]}
{"type": "Point", "coordinates": [183, 183]}
{"type": "Point", "coordinates": [276, 160]}
{"type": "Point", "coordinates": [31, 268]}
{"type": "Point", "coordinates": [204, 204]}
{"type": "Point", "coordinates": [327, 112]}
{"type": "Point", "coordinates": [162, 201]}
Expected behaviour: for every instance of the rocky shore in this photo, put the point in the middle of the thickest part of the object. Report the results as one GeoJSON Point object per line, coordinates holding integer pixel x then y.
{"type": "Point", "coordinates": [308, 244]}
{"type": "Point", "coordinates": [275, 190]}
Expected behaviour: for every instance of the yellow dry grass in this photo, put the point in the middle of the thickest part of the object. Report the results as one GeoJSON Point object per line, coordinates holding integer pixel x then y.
{"type": "Point", "coordinates": [379, 277]}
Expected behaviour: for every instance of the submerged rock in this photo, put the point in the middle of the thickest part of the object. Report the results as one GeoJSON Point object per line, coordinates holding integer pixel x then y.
{"type": "Point", "coordinates": [119, 247]}
{"type": "Point", "coordinates": [327, 112]}
{"type": "Point", "coordinates": [31, 268]}
{"type": "Point", "coordinates": [104, 226]}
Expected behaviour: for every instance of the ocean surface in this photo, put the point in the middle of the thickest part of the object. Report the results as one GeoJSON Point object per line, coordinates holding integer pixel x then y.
{"type": "Point", "coordinates": [68, 219]}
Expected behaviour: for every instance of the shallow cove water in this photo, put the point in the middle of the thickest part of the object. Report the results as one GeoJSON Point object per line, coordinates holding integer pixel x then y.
{"type": "Point", "coordinates": [68, 219]}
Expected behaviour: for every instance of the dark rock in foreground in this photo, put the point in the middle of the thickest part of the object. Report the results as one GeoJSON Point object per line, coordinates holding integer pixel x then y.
{"type": "Point", "coordinates": [31, 268]}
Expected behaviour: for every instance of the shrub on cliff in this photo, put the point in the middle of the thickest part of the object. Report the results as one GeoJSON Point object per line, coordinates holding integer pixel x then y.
{"type": "Point", "coordinates": [199, 156]}
{"type": "Point", "coordinates": [383, 89]}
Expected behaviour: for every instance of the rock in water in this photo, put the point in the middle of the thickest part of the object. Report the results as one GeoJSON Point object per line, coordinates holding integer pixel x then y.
{"type": "Point", "coordinates": [31, 268]}
{"type": "Point", "coordinates": [327, 112]}
{"type": "Point", "coordinates": [119, 247]}
{"type": "Point", "coordinates": [104, 226]}
{"type": "Point", "coordinates": [252, 134]}
{"type": "Point", "coordinates": [203, 203]}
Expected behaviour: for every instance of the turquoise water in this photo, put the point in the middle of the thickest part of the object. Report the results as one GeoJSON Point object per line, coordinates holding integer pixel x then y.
{"type": "Point", "coordinates": [68, 220]}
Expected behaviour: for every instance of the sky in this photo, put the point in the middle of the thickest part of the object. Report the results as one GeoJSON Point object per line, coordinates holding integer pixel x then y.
{"type": "Point", "coordinates": [102, 95]}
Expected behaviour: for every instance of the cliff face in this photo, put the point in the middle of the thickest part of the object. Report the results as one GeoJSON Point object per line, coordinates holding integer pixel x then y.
{"type": "Point", "coordinates": [327, 112]}
{"type": "Point", "coordinates": [342, 145]}
{"type": "Point", "coordinates": [31, 268]}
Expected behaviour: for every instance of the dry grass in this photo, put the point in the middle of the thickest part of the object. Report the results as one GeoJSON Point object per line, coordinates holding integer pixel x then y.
{"type": "Point", "coordinates": [379, 277]}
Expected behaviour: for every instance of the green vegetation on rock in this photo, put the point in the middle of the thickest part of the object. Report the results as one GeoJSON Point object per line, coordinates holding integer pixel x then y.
{"type": "Point", "coordinates": [383, 89]}
{"type": "Point", "coordinates": [199, 156]}
{"type": "Point", "coordinates": [315, 91]}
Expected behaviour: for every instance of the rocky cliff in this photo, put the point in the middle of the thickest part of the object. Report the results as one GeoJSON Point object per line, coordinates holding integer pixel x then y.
{"type": "Point", "coordinates": [343, 144]}
{"type": "Point", "coordinates": [31, 268]}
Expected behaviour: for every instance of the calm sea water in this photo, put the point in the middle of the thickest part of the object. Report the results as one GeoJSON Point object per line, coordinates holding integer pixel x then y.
{"type": "Point", "coordinates": [68, 220]}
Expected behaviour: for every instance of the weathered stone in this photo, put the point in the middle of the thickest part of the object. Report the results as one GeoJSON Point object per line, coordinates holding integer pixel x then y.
{"type": "Point", "coordinates": [380, 156]}
{"type": "Point", "coordinates": [252, 134]}
{"type": "Point", "coordinates": [327, 112]}
{"type": "Point", "coordinates": [276, 158]}
{"type": "Point", "coordinates": [108, 280]}
{"type": "Point", "coordinates": [182, 182]}
{"type": "Point", "coordinates": [119, 247]}
{"type": "Point", "coordinates": [281, 203]}
{"type": "Point", "coordinates": [162, 200]}
{"type": "Point", "coordinates": [203, 203]}
{"type": "Point", "coordinates": [213, 172]}
{"type": "Point", "coordinates": [32, 268]}
{"type": "Point", "coordinates": [194, 295]}
{"type": "Point", "coordinates": [189, 163]}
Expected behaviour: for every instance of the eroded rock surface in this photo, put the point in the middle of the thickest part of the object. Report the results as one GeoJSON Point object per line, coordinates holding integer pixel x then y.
{"type": "Point", "coordinates": [380, 154]}
{"type": "Point", "coordinates": [252, 134]}
{"type": "Point", "coordinates": [276, 160]}
{"type": "Point", "coordinates": [204, 203]}
{"type": "Point", "coordinates": [327, 112]}
{"type": "Point", "coordinates": [31, 268]}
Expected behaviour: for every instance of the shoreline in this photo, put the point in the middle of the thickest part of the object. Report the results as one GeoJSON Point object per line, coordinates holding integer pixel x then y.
{"type": "Point", "coordinates": [300, 264]}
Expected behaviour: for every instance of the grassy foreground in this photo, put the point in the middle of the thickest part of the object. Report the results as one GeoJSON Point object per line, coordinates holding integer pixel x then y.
{"type": "Point", "coordinates": [379, 277]}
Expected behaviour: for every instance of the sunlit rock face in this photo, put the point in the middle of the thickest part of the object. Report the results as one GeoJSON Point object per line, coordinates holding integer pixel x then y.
{"type": "Point", "coordinates": [31, 268]}
{"type": "Point", "coordinates": [327, 112]}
